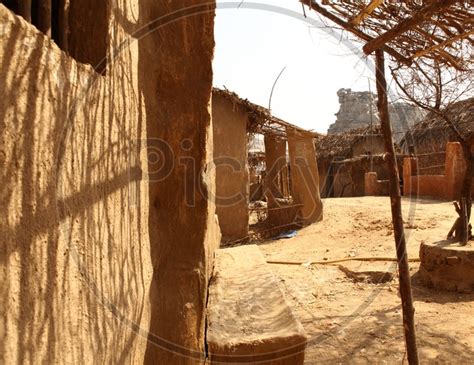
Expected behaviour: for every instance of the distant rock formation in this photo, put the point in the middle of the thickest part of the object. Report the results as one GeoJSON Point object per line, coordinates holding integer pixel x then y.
{"type": "Point", "coordinates": [359, 109]}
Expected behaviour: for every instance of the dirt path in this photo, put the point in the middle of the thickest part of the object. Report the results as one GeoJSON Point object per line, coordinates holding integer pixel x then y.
{"type": "Point", "coordinates": [358, 322]}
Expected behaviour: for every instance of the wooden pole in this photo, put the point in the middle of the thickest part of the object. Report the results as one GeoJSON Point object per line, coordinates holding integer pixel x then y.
{"type": "Point", "coordinates": [44, 16]}
{"type": "Point", "coordinates": [63, 25]}
{"type": "Point", "coordinates": [397, 219]}
{"type": "Point", "coordinates": [24, 9]}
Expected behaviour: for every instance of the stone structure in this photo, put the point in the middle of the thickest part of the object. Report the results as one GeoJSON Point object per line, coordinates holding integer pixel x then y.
{"type": "Point", "coordinates": [102, 248]}
{"type": "Point", "coordinates": [230, 160]}
{"type": "Point", "coordinates": [359, 109]}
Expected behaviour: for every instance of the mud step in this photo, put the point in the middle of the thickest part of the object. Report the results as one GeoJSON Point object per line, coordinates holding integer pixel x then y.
{"type": "Point", "coordinates": [249, 320]}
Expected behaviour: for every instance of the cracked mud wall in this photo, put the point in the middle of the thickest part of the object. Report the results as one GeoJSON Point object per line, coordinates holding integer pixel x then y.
{"type": "Point", "coordinates": [74, 248]}
{"type": "Point", "coordinates": [177, 52]}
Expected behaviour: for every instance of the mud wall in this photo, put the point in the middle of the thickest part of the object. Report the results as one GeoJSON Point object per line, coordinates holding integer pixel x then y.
{"type": "Point", "coordinates": [447, 186]}
{"type": "Point", "coordinates": [375, 187]}
{"type": "Point", "coordinates": [176, 51]}
{"type": "Point", "coordinates": [304, 176]}
{"type": "Point", "coordinates": [74, 248]}
{"type": "Point", "coordinates": [84, 279]}
{"type": "Point", "coordinates": [232, 176]}
{"type": "Point", "coordinates": [372, 144]}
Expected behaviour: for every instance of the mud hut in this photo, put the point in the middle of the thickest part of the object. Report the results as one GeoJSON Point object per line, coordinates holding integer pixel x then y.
{"type": "Point", "coordinates": [437, 164]}
{"type": "Point", "coordinates": [344, 158]}
{"type": "Point", "coordinates": [289, 155]}
{"type": "Point", "coordinates": [427, 139]}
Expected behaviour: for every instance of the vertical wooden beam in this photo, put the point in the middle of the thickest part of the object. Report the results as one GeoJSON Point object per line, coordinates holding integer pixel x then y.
{"type": "Point", "coordinates": [44, 16]}
{"type": "Point", "coordinates": [24, 9]}
{"type": "Point", "coordinates": [63, 24]}
{"type": "Point", "coordinates": [397, 219]}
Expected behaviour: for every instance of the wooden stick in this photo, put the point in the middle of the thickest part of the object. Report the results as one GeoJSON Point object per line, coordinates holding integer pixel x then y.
{"type": "Point", "coordinates": [44, 16]}
{"type": "Point", "coordinates": [374, 4]}
{"type": "Point", "coordinates": [420, 16]}
{"type": "Point", "coordinates": [24, 9]}
{"type": "Point", "coordinates": [465, 223]}
{"type": "Point", "coordinates": [328, 262]}
{"type": "Point", "coordinates": [397, 219]}
{"type": "Point", "coordinates": [441, 45]}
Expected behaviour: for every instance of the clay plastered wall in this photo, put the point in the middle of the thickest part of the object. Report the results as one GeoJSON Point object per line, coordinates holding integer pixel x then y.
{"type": "Point", "coordinates": [304, 176]}
{"type": "Point", "coordinates": [184, 233]}
{"type": "Point", "coordinates": [373, 144]}
{"type": "Point", "coordinates": [230, 157]}
{"type": "Point", "coordinates": [75, 255]}
{"type": "Point", "coordinates": [447, 186]}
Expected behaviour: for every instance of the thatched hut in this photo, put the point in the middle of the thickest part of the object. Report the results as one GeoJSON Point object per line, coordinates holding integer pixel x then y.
{"type": "Point", "coordinates": [246, 171]}
{"type": "Point", "coordinates": [427, 139]}
{"type": "Point", "coordinates": [344, 158]}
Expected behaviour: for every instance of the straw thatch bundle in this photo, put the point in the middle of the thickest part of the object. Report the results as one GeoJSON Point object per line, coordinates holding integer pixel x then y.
{"type": "Point", "coordinates": [433, 132]}
{"type": "Point", "coordinates": [341, 144]}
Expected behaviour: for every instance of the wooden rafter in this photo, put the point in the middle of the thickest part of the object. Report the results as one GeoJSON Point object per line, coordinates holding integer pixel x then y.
{"type": "Point", "coordinates": [407, 24]}
{"type": "Point", "coordinates": [374, 4]}
{"type": "Point", "coordinates": [441, 45]}
{"type": "Point", "coordinates": [351, 28]}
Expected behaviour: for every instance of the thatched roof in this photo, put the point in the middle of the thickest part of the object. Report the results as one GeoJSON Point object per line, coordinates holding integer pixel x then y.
{"type": "Point", "coordinates": [407, 29]}
{"type": "Point", "coordinates": [434, 131]}
{"type": "Point", "coordinates": [340, 144]}
{"type": "Point", "coordinates": [260, 119]}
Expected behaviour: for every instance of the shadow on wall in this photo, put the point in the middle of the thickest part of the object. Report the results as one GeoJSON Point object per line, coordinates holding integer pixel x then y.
{"type": "Point", "coordinates": [74, 243]}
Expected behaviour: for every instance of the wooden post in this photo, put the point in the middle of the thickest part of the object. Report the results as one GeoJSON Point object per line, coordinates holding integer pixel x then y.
{"type": "Point", "coordinates": [24, 9]}
{"type": "Point", "coordinates": [44, 16]}
{"type": "Point", "coordinates": [397, 219]}
{"type": "Point", "coordinates": [63, 24]}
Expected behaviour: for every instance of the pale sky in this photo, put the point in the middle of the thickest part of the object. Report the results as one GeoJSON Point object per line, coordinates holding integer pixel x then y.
{"type": "Point", "coordinates": [253, 45]}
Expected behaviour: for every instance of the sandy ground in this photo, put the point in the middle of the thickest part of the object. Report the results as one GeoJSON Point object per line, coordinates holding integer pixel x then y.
{"type": "Point", "coordinates": [351, 322]}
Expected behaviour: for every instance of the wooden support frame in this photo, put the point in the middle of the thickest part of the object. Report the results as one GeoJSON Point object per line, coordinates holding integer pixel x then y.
{"type": "Point", "coordinates": [351, 28]}
{"type": "Point", "coordinates": [396, 206]}
{"type": "Point", "coordinates": [407, 24]}
{"type": "Point", "coordinates": [374, 4]}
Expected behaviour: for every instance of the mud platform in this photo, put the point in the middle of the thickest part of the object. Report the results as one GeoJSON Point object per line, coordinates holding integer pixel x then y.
{"type": "Point", "coordinates": [448, 266]}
